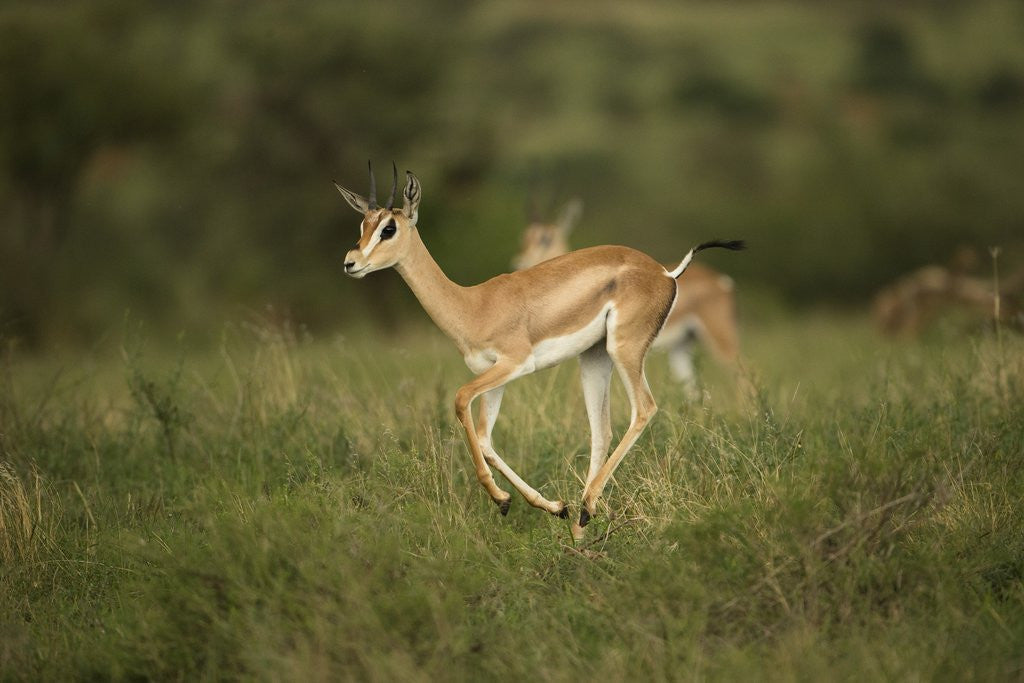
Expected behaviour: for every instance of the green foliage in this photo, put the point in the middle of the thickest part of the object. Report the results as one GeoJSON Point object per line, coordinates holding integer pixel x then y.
{"type": "Point", "coordinates": [320, 518]}
{"type": "Point", "coordinates": [175, 159]}
{"type": "Point", "coordinates": [66, 99]}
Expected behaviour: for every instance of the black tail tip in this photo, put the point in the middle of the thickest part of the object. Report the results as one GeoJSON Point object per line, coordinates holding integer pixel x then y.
{"type": "Point", "coordinates": [734, 245]}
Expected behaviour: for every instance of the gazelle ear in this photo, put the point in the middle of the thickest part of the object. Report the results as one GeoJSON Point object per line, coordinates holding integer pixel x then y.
{"type": "Point", "coordinates": [358, 203]}
{"type": "Point", "coordinates": [411, 197]}
{"type": "Point", "coordinates": [570, 215]}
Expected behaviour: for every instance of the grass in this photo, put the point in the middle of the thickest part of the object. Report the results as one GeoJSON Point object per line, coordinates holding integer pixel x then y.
{"type": "Point", "coordinates": [288, 508]}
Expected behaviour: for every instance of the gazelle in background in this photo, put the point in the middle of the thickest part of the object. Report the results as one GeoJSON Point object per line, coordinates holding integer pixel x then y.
{"type": "Point", "coordinates": [704, 312]}
{"type": "Point", "coordinates": [603, 304]}
{"type": "Point", "coordinates": [911, 303]}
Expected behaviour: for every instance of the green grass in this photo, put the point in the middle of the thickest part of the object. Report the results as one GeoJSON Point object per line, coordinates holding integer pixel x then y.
{"type": "Point", "coordinates": [287, 508]}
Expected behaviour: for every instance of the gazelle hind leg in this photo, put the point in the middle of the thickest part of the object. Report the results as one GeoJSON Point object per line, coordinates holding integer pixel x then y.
{"type": "Point", "coordinates": [596, 377]}
{"type": "Point", "coordinates": [630, 364]}
{"type": "Point", "coordinates": [720, 333]}
{"type": "Point", "coordinates": [721, 336]}
{"type": "Point", "coordinates": [490, 404]}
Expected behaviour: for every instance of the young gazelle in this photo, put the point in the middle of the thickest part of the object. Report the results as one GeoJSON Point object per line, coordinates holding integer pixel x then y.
{"type": "Point", "coordinates": [603, 304]}
{"type": "Point", "coordinates": [705, 309]}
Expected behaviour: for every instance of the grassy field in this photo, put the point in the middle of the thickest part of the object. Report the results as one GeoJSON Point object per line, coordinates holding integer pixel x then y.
{"type": "Point", "coordinates": [289, 508]}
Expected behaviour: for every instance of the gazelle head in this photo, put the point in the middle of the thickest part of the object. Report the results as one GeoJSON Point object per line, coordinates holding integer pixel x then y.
{"type": "Point", "coordinates": [543, 241]}
{"type": "Point", "coordinates": [384, 232]}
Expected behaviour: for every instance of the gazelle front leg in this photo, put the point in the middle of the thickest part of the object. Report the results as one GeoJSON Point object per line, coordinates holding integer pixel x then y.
{"type": "Point", "coordinates": [490, 404]}
{"type": "Point", "coordinates": [496, 376]}
{"type": "Point", "coordinates": [680, 361]}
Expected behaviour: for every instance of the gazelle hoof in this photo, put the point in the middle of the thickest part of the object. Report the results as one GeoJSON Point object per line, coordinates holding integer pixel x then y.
{"type": "Point", "coordinates": [563, 513]}
{"type": "Point", "coordinates": [504, 505]}
{"type": "Point", "coordinates": [584, 516]}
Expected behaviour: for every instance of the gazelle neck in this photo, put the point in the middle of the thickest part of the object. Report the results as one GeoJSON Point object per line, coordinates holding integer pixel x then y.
{"type": "Point", "coordinates": [447, 303]}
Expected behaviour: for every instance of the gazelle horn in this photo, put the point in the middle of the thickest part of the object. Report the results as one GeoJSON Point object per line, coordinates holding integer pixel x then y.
{"type": "Point", "coordinates": [394, 186]}
{"type": "Point", "coordinates": [373, 186]}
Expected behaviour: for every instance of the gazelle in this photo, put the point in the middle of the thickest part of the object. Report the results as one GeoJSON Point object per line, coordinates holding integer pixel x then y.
{"type": "Point", "coordinates": [603, 304]}
{"type": "Point", "coordinates": [705, 308]}
{"type": "Point", "coordinates": [907, 306]}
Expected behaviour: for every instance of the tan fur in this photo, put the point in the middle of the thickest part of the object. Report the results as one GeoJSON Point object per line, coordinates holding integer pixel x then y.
{"type": "Point", "coordinates": [705, 308]}
{"type": "Point", "coordinates": [709, 296]}
{"type": "Point", "coordinates": [541, 242]}
{"type": "Point", "coordinates": [907, 306]}
{"type": "Point", "coordinates": [516, 323]}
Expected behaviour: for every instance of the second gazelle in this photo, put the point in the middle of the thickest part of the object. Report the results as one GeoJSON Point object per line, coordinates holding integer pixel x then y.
{"type": "Point", "coordinates": [603, 304]}
{"type": "Point", "coordinates": [704, 312]}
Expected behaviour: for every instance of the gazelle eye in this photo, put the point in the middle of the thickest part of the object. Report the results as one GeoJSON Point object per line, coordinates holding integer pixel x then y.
{"type": "Point", "coordinates": [388, 232]}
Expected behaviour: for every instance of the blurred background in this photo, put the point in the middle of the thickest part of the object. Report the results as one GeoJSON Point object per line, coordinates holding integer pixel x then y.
{"type": "Point", "coordinates": [175, 160]}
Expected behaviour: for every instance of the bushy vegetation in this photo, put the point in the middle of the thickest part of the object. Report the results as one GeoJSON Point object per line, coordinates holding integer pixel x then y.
{"type": "Point", "coordinates": [268, 482]}
{"type": "Point", "coordinates": [175, 159]}
{"type": "Point", "coordinates": [297, 508]}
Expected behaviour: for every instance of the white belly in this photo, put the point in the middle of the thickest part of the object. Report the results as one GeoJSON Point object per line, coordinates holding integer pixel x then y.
{"type": "Point", "coordinates": [554, 350]}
